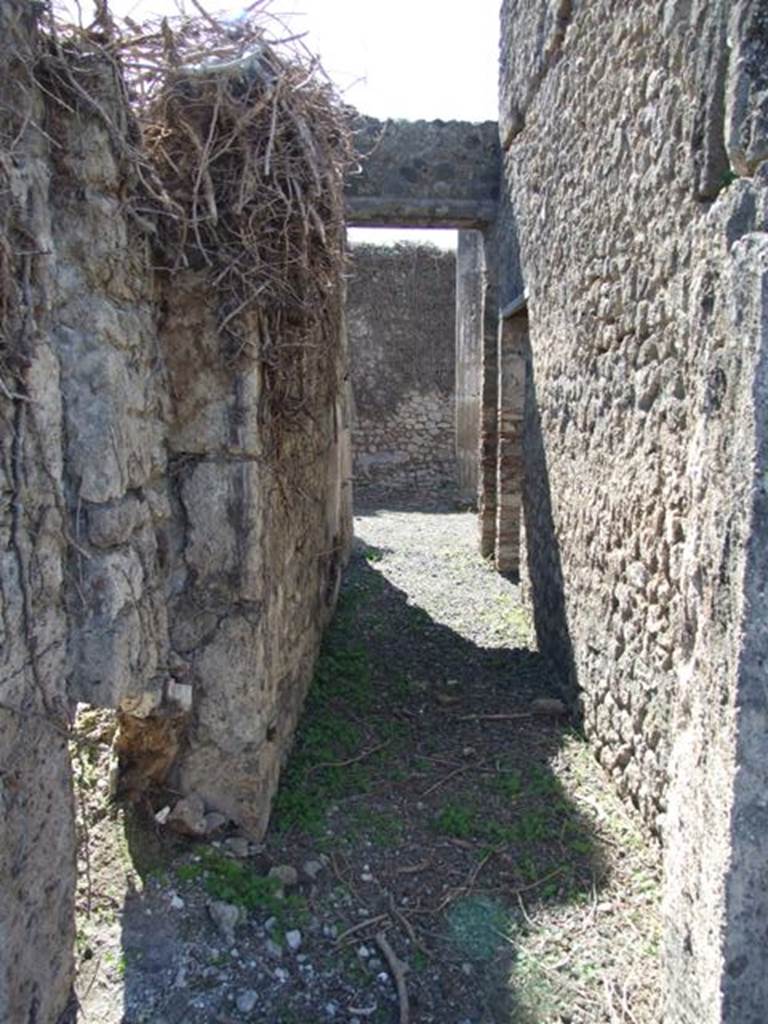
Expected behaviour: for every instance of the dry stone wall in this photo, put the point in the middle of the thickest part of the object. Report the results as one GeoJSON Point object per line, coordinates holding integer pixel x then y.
{"type": "Point", "coordinates": [170, 546]}
{"type": "Point", "coordinates": [400, 317]}
{"type": "Point", "coordinates": [635, 145]}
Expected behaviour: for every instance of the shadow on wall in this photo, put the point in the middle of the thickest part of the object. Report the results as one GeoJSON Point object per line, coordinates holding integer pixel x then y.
{"type": "Point", "coordinates": [546, 586]}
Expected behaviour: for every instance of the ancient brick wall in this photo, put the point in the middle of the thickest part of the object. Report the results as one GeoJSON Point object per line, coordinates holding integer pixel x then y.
{"type": "Point", "coordinates": [635, 140]}
{"type": "Point", "coordinates": [401, 328]}
{"type": "Point", "coordinates": [170, 541]}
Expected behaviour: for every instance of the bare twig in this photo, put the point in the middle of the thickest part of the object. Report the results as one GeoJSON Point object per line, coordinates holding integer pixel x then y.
{"type": "Point", "coordinates": [447, 778]}
{"type": "Point", "coordinates": [344, 764]}
{"type": "Point", "coordinates": [492, 718]}
{"type": "Point", "coordinates": [360, 926]}
{"type": "Point", "coordinates": [398, 968]}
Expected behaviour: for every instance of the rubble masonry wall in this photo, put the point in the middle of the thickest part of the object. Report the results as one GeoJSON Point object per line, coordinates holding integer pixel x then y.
{"type": "Point", "coordinates": [635, 141]}
{"type": "Point", "coordinates": [401, 327]}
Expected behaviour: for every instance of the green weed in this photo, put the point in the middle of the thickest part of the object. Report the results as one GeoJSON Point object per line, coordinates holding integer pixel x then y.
{"type": "Point", "coordinates": [314, 776]}
{"type": "Point", "coordinates": [372, 554]}
{"type": "Point", "coordinates": [236, 882]}
{"type": "Point", "coordinates": [457, 821]}
{"type": "Point", "coordinates": [382, 829]}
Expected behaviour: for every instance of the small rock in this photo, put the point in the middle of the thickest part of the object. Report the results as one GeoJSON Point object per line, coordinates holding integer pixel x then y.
{"type": "Point", "coordinates": [548, 706]}
{"type": "Point", "coordinates": [237, 846]}
{"type": "Point", "coordinates": [363, 952]}
{"type": "Point", "coordinates": [330, 931]}
{"type": "Point", "coordinates": [446, 698]}
{"type": "Point", "coordinates": [270, 923]}
{"type": "Point", "coordinates": [274, 949]}
{"type": "Point", "coordinates": [312, 868]}
{"type": "Point", "coordinates": [331, 1009]}
{"type": "Point", "coordinates": [285, 874]}
{"type": "Point", "coordinates": [162, 815]}
{"type": "Point", "coordinates": [188, 816]}
{"type": "Point", "coordinates": [293, 940]}
{"type": "Point", "coordinates": [281, 975]}
{"type": "Point", "coordinates": [246, 1001]}
{"type": "Point", "coordinates": [366, 876]}
{"type": "Point", "coordinates": [177, 903]}
{"type": "Point", "coordinates": [225, 916]}
{"type": "Point", "coordinates": [179, 693]}
{"type": "Point", "coordinates": [214, 822]}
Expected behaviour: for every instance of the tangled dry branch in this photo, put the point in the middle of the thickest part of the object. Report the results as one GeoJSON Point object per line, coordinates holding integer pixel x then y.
{"type": "Point", "coordinates": [235, 150]}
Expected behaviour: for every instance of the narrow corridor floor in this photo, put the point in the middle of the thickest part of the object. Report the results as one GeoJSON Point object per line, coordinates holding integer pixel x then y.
{"type": "Point", "coordinates": [446, 848]}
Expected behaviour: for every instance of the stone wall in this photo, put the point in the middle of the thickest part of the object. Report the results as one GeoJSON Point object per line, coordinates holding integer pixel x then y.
{"type": "Point", "coordinates": [400, 317]}
{"type": "Point", "coordinates": [424, 174]}
{"type": "Point", "coordinates": [635, 144]}
{"type": "Point", "coordinates": [171, 543]}
{"type": "Point", "coordinates": [37, 838]}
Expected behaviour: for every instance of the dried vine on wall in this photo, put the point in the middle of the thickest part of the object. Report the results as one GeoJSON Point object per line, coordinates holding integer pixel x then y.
{"type": "Point", "coordinates": [236, 157]}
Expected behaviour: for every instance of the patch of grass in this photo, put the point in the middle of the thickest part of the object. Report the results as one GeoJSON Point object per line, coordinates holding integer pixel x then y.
{"type": "Point", "coordinates": [509, 619]}
{"type": "Point", "coordinates": [508, 784]}
{"type": "Point", "coordinates": [236, 882]}
{"type": "Point", "coordinates": [456, 821]}
{"type": "Point", "coordinates": [382, 829]}
{"type": "Point", "coordinates": [418, 960]}
{"type": "Point", "coordinates": [314, 776]}
{"type": "Point", "coordinates": [728, 178]}
{"type": "Point", "coordinates": [373, 554]}
{"type": "Point", "coordinates": [529, 826]}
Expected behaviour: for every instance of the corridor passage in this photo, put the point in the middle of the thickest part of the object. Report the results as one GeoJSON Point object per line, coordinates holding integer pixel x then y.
{"type": "Point", "coordinates": [444, 849]}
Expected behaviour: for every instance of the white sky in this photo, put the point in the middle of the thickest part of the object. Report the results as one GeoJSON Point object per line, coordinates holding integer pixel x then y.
{"type": "Point", "coordinates": [391, 58]}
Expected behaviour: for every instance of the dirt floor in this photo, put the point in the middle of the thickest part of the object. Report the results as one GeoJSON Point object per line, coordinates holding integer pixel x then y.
{"type": "Point", "coordinates": [446, 849]}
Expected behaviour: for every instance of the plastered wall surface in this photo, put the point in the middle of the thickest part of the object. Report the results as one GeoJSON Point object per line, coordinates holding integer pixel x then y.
{"type": "Point", "coordinates": [635, 140]}
{"type": "Point", "coordinates": [400, 317]}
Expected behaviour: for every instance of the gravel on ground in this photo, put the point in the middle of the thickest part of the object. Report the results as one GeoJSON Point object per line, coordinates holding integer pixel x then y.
{"type": "Point", "coordinates": [443, 850]}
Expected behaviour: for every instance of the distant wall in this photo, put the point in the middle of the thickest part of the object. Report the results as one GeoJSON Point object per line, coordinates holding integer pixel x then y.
{"type": "Point", "coordinates": [401, 327]}
{"type": "Point", "coordinates": [636, 137]}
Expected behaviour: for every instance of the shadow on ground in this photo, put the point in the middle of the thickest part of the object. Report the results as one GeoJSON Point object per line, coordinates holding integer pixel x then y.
{"type": "Point", "coordinates": [463, 789]}
{"type": "Point", "coordinates": [451, 819]}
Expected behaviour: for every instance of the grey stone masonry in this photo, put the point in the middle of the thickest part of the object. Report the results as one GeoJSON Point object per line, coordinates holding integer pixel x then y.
{"type": "Point", "coordinates": [513, 345]}
{"type": "Point", "coordinates": [636, 140]}
{"type": "Point", "coordinates": [170, 546]}
{"type": "Point", "coordinates": [424, 174]}
{"type": "Point", "coordinates": [400, 324]}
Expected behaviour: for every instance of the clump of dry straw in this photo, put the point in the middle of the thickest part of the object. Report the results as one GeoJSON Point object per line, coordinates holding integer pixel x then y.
{"type": "Point", "coordinates": [238, 149]}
